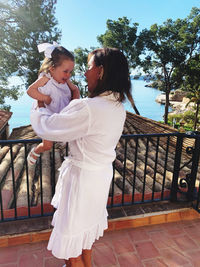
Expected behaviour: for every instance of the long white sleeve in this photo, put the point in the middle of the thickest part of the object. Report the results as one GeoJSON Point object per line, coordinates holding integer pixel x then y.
{"type": "Point", "coordinates": [71, 123]}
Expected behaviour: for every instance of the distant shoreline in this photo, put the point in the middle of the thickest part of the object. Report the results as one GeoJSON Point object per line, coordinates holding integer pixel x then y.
{"type": "Point", "coordinates": [144, 99]}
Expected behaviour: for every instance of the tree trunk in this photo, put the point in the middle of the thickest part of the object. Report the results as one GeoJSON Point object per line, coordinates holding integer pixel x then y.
{"type": "Point", "coordinates": [136, 110]}
{"type": "Point", "coordinates": [196, 117]}
{"type": "Point", "coordinates": [166, 106]}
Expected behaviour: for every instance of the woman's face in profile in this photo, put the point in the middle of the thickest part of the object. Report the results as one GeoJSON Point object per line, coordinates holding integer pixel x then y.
{"type": "Point", "coordinates": [92, 74]}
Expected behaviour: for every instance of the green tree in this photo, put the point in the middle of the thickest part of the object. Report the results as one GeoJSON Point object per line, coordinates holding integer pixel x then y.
{"type": "Point", "coordinates": [191, 84]}
{"type": "Point", "coordinates": [167, 48]}
{"type": "Point", "coordinates": [81, 55]}
{"type": "Point", "coordinates": [122, 35]}
{"type": "Point", "coordinates": [23, 25]}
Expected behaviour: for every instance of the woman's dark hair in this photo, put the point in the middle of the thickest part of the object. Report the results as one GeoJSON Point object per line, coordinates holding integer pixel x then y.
{"type": "Point", "coordinates": [57, 56]}
{"type": "Point", "coordinates": [116, 76]}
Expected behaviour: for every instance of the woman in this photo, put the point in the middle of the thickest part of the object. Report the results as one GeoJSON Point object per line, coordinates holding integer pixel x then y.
{"type": "Point", "coordinates": [92, 126]}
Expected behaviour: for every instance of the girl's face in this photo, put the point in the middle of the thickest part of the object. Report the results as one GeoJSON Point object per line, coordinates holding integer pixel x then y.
{"type": "Point", "coordinates": [92, 74]}
{"type": "Point", "coordinates": [62, 72]}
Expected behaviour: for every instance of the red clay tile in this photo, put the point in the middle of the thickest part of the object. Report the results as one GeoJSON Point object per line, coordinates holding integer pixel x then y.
{"type": "Point", "coordinates": [138, 234]}
{"type": "Point", "coordinates": [53, 262]}
{"type": "Point", "coordinates": [122, 245]}
{"type": "Point", "coordinates": [154, 228]}
{"type": "Point", "coordinates": [188, 222]}
{"type": "Point", "coordinates": [116, 234]}
{"type": "Point", "coordinates": [8, 255]}
{"type": "Point", "coordinates": [171, 244]}
{"type": "Point", "coordinates": [39, 246]}
{"type": "Point", "coordinates": [192, 230]}
{"type": "Point", "coordinates": [196, 222]}
{"type": "Point", "coordinates": [129, 259]}
{"type": "Point", "coordinates": [155, 263]}
{"type": "Point", "coordinates": [196, 239]}
{"type": "Point", "coordinates": [31, 259]}
{"type": "Point", "coordinates": [103, 255]}
{"type": "Point", "coordinates": [146, 250]}
{"type": "Point", "coordinates": [194, 257]}
{"type": "Point", "coordinates": [10, 265]}
{"type": "Point", "coordinates": [173, 257]}
{"type": "Point", "coordinates": [162, 240]}
{"type": "Point", "coordinates": [173, 229]}
{"type": "Point", "coordinates": [185, 243]}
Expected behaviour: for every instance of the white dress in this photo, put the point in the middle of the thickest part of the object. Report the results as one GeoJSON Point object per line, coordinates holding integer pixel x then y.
{"type": "Point", "coordinates": [92, 126]}
{"type": "Point", "coordinates": [60, 94]}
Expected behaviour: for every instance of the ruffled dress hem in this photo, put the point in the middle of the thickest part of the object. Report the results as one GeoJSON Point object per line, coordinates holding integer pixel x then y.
{"type": "Point", "coordinates": [71, 246]}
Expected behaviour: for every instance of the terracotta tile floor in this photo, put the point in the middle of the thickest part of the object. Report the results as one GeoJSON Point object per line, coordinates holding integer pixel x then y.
{"type": "Point", "coordinates": [172, 244]}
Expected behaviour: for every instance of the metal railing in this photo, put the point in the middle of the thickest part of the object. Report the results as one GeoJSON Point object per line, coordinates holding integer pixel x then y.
{"type": "Point", "coordinates": [148, 168]}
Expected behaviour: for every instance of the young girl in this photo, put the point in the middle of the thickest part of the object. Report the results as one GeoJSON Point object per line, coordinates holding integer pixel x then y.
{"type": "Point", "coordinates": [52, 89]}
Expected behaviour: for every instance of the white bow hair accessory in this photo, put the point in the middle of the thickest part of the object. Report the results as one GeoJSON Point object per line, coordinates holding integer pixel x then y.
{"type": "Point", "coordinates": [47, 48]}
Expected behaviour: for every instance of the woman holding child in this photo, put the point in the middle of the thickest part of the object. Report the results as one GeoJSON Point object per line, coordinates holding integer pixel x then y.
{"type": "Point", "coordinates": [92, 126]}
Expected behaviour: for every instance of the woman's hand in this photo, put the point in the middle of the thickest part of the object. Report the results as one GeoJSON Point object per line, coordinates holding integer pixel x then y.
{"type": "Point", "coordinates": [47, 99]}
{"type": "Point", "coordinates": [43, 80]}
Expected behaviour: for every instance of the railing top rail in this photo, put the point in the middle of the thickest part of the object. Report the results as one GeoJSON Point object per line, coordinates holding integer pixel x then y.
{"type": "Point", "coordinates": [125, 136]}
{"type": "Point", "coordinates": [17, 141]}
{"type": "Point", "coordinates": [188, 135]}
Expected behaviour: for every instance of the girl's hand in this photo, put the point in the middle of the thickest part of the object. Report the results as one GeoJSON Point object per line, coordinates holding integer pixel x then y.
{"type": "Point", "coordinates": [74, 90]}
{"type": "Point", "coordinates": [41, 104]}
{"type": "Point", "coordinates": [76, 94]}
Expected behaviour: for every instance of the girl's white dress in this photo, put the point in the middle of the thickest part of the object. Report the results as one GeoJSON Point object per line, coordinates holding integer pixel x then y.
{"type": "Point", "coordinates": [60, 94]}
{"type": "Point", "coordinates": [92, 126]}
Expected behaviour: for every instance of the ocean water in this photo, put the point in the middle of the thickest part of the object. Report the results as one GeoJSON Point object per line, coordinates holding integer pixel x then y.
{"type": "Point", "coordinates": [144, 99]}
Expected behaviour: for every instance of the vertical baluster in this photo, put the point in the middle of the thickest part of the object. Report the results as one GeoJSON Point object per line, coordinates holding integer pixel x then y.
{"type": "Point", "coordinates": [177, 161]}
{"type": "Point", "coordinates": [198, 200]}
{"type": "Point", "coordinates": [67, 149]}
{"type": "Point", "coordinates": [27, 179]}
{"type": "Point", "coordinates": [41, 188]}
{"type": "Point", "coordinates": [134, 171]}
{"type": "Point", "coordinates": [13, 180]}
{"type": "Point", "coordinates": [155, 168]}
{"type": "Point", "coordinates": [124, 171]}
{"type": "Point", "coordinates": [194, 169]}
{"type": "Point", "coordinates": [53, 172]}
{"type": "Point", "coordinates": [113, 185]}
{"type": "Point", "coordinates": [165, 167]}
{"type": "Point", "coordinates": [1, 205]}
{"type": "Point", "coordinates": [145, 168]}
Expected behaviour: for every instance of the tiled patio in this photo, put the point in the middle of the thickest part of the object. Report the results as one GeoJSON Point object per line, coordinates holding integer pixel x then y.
{"type": "Point", "coordinates": [171, 244]}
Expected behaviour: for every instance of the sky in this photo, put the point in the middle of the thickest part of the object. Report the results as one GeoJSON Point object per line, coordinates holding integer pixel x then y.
{"type": "Point", "coordinates": [81, 21]}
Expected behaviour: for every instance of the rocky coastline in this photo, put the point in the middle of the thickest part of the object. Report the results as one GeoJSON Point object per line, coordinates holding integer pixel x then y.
{"type": "Point", "coordinates": [178, 101]}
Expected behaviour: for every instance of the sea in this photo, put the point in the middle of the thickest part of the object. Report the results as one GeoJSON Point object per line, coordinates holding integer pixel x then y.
{"type": "Point", "coordinates": [144, 98]}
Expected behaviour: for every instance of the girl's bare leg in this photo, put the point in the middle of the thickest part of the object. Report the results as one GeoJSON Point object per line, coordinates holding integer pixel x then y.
{"type": "Point", "coordinates": [87, 257]}
{"type": "Point", "coordinates": [75, 262]}
{"type": "Point", "coordinates": [67, 262]}
{"type": "Point", "coordinates": [42, 147]}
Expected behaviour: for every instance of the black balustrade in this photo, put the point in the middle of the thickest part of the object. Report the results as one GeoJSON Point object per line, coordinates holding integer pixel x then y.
{"type": "Point", "coordinates": [148, 168]}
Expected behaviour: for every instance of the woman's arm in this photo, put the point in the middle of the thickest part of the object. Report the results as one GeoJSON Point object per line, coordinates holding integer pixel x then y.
{"type": "Point", "coordinates": [74, 90]}
{"type": "Point", "coordinates": [34, 93]}
{"type": "Point", "coordinates": [72, 123]}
